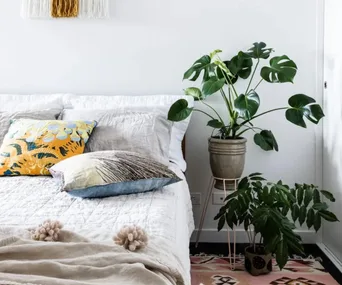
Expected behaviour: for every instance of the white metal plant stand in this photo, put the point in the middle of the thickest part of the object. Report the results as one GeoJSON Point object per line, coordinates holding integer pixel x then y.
{"type": "Point", "coordinates": [232, 255]}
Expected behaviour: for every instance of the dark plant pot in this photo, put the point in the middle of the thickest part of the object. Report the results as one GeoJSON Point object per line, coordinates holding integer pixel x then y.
{"type": "Point", "coordinates": [257, 263]}
{"type": "Point", "coordinates": [227, 160]}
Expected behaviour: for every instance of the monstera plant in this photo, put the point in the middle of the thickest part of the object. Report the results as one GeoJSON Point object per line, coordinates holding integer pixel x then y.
{"type": "Point", "coordinates": [227, 146]}
{"type": "Point", "coordinates": [269, 211]}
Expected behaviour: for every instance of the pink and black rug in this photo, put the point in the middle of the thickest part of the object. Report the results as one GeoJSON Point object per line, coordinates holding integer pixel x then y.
{"type": "Point", "coordinates": [210, 270]}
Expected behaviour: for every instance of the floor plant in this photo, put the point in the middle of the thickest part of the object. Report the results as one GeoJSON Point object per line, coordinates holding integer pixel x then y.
{"type": "Point", "coordinates": [269, 213]}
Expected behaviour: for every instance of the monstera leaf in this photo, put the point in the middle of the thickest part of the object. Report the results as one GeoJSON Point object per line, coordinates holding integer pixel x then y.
{"type": "Point", "coordinates": [259, 50]}
{"type": "Point", "coordinates": [303, 106]}
{"type": "Point", "coordinates": [203, 64]}
{"type": "Point", "coordinates": [194, 92]}
{"type": "Point", "coordinates": [247, 105]}
{"type": "Point", "coordinates": [239, 66]}
{"type": "Point", "coordinates": [212, 85]}
{"type": "Point", "coordinates": [179, 111]}
{"type": "Point", "coordinates": [266, 140]}
{"type": "Point", "coordinates": [281, 70]}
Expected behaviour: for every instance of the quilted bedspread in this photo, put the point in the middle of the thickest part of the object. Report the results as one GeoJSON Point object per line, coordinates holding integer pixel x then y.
{"type": "Point", "coordinates": [165, 214]}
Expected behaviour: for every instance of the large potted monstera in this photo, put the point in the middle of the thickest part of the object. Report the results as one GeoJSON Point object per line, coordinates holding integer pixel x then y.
{"type": "Point", "coordinates": [227, 147]}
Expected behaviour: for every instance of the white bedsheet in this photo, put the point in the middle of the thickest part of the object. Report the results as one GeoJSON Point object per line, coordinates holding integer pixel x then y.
{"type": "Point", "coordinates": [166, 213]}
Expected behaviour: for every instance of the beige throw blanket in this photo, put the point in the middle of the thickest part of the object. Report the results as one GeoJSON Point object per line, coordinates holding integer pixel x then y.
{"type": "Point", "coordinates": [79, 262]}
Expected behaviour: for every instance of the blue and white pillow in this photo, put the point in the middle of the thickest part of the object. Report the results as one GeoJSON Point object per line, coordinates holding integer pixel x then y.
{"type": "Point", "coordinates": [111, 173]}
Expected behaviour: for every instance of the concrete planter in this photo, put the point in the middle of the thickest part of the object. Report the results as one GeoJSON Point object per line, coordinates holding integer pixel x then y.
{"type": "Point", "coordinates": [227, 160]}
{"type": "Point", "coordinates": [257, 263]}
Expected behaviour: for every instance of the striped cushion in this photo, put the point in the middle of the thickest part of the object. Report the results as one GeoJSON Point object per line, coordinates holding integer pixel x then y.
{"type": "Point", "coordinates": [111, 173]}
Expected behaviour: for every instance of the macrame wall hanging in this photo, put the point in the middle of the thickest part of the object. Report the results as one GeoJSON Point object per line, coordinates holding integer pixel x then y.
{"type": "Point", "coordinates": [35, 9]}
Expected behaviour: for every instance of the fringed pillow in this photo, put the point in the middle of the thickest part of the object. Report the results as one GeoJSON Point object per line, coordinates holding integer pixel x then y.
{"type": "Point", "coordinates": [111, 173]}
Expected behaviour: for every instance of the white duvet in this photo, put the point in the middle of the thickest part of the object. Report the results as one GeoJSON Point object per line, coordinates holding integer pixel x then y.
{"type": "Point", "coordinates": [165, 214]}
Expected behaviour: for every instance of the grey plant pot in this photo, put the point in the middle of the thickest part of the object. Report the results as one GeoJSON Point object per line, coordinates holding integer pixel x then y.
{"type": "Point", "coordinates": [227, 160]}
{"type": "Point", "coordinates": [256, 263]}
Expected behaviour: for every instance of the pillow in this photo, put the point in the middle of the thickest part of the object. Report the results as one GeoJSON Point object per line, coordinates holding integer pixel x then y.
{"type": "Point", "coordinates": [7, 117]}
{"type": "Point", "coordinates": [142, 103]}
{"type": "Point", "coordinates": [111, 173]}
{"type": "Point", "coordinates": [145, 133]}
{"type": "Point", "coordinates": [32, 146]}
{"type": "Point", "coordinates": [15, 102]}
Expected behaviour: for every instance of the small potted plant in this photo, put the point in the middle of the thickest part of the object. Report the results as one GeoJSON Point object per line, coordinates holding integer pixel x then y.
{"type": "Point", "coordinates": [269, 212]}
{"type": "Point", "coordinates": [227, 148]}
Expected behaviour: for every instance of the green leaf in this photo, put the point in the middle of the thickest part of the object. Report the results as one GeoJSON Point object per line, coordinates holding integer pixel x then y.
{"type": "Point", "coordinates": [281, 70]}
{"type": "Point", "coordinates": [212, 85]}
{"type": "Point", "coordinates": [316, 197]}
{"type": "Point", "coordinates": [266, 140]}
{"type": "Point", "coordinates": [300, 195]}
{"type": "Point", "coordinates": [310, 218]}
{"type": "Point", "coordinates": [259, 50]}
{"type": "Point", "coordinates": [302, 106]}
{"type": "Point", "coordinates": [328, 216]}
{"type": "Point", "coordinates": [320, 206]}
{"type": "Point", "coordinates": [302, 215]}
{"type": "Point", "coordinates": [214, 53]}
{"type": "Point", "coordinates": [328, 195]}
{"type": "Point", "coordinates": [179, 111]}
{"type": "Point", "coordinates": [240, 66]}
{"type": "Point", "coordinates": [282, 254]}
{"type": "Point", "coordinates": [295, 116]}
{"type": "Point", "coordinates": [255, 174]}
{"type": "Point", "coordinates": [216, 124]}
{"type": "Point", "coordinates": [247, 105]}
{"type": "Point", "coordinates": [317, 222]}
{"type": "Point", "coordinates": [308, 196]}
{"type": "Point", "coordinates": [295, 212]}
{"type": "Point", "coordinates": [221, 223]}
{"type": "Point", "coordinates": [194, 92]}
{"type": "Point", "coordinates": [300, 100]}
{"type": "Point", "coordinates": [314, 114]}
{"type": "Point", "coordinates": [243, 183]}
{"type": "Point", "coordinates": [285, 210]}
{"type": "Point", "coordinates": [202, 64]}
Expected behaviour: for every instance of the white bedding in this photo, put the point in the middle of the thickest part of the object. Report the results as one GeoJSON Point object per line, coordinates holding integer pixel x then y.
{"type": "Point", "coordinates": [166, 214]}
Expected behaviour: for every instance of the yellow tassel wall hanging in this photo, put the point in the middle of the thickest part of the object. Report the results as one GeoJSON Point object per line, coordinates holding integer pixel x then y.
{"type": "Point", "coordinates": [40, 9]}
{"type": "Point", "coordinates": [64, 8]}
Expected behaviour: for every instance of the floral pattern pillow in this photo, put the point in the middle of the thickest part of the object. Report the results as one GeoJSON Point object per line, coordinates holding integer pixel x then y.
{"type": "Point", "coordinates": [31, 147]}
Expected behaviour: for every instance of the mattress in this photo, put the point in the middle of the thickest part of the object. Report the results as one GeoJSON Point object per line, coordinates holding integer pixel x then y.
{"type": "Point", "coordinates": [165, 213]}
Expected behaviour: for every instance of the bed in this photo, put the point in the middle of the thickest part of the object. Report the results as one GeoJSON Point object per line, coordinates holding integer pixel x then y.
{"type": "Point", "coordinates": [165, 214]}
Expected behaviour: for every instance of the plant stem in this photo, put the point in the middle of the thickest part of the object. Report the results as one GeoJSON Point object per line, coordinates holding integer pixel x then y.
{"type": "Point", "coordinates": [250, 81]}
{"type": "Point", "coordinates": [195, 110]}
{"type": "Point", "coordinates": [258, 84]}
{"type": "Point", "coordinates": [213, 110]}
{"type": "Point", "coordinates": [264, 113]}
{"type": "Point", "coordinates": [254, 242]}
{"type": "Point", "coordinates": [251, 128]}
{"type": "Point", "coordinates": [227, 103]}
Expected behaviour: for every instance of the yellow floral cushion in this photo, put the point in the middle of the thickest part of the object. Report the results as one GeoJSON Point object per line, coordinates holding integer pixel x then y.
{"type": "Point", "coordinates": [31, 147]}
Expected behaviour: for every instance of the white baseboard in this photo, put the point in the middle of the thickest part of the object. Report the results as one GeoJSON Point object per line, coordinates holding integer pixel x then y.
{"type": "Point", "coordinates": [211, 235]}
{"type": "Point", "coordinates": [331, 256]}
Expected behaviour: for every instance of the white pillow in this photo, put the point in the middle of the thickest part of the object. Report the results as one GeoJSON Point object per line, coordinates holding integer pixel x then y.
{"type": "Point", "coordinates": [15, 102]}
{"type": "Point", "coordinates": [145, 133]}
{"type": "Point", "coordinates": [144, 103]}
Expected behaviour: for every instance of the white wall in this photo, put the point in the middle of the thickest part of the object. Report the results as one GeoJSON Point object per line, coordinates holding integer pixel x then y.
{"type": "Point", "coordinates": [332, 159]}
{"type": "Point", "coordinates": [145, 48]}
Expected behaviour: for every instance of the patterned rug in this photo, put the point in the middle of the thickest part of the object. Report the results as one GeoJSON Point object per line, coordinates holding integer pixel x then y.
{"type": "Point", "coordinates": [209, 270]}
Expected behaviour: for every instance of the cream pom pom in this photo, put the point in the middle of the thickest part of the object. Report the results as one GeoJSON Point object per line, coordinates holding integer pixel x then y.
{"type": "Point", "coordinates": [47, 231]}
{"type": "Point", "coordinates": [132, 238]}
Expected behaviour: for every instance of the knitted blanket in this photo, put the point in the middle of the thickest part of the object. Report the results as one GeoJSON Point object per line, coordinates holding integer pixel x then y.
{"type": "Point", "coordinates": [76, 261]}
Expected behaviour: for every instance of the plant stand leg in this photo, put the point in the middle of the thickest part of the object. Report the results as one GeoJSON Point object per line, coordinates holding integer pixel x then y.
{"type": "Point", "coordinates": [232, 261]}
{"type": "Point", "coordinates": [204, 211]}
